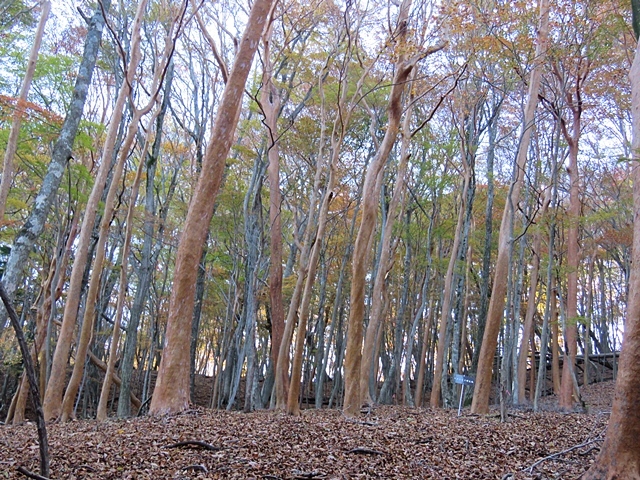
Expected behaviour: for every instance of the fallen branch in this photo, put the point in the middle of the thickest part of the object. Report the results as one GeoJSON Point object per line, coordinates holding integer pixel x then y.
{"type": "Point", "coordinates": [196, 468]}
{"type": "Point", "coordinates": [116, 379]}
{"type": "Point", "coordinates": [300, 475]}
{"type": "Point", "coordinates": [362, 422]}
{"type": "Point", "coordinates": [194, 443]}
{"type": "Point", "coordinates": [144, 404]}
{"type": "Point", "coordinates": [365, 451]}
{"type": "Point", "coordinates": [554, 455]}
{"type": "Point", "coordinates": [425, 440]}
{"type": "Point", "coordinates": [29, 474]}
{"type": "Point", "coordinates": [85, 467]}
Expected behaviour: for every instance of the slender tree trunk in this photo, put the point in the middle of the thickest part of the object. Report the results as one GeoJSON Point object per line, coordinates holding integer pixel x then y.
{"type": "Point", "coordinates": [101, 414]}
{"type": "Point", "coordinates": [149, 256]}
{"type": "Point", "coordinates": [293, 406]}
{"type": "Point", "coordinates": [488, 237]}
{"type": "Point", "coordinates": [52, 290]}
{"type": "Point", "coordinates": [94, 284]}
{"type": "Point", "coordinates": [311, 236]}
{"type": "Point", "coordinates": [43, 442]}
{"type": "Point", "coordinates": [482, 390]}
{"type": "Point", "coordinates": [270, 101]}
{"type": "Point", "coordinates": [419, 315]}
{"type": "Point", "coordinates": [376, 320]}
{"type": "Point", "coordinates": [335, 317]}
{"type": "Point", "coordinates": [12, 142]}
{"type": "Point", "coordinates": [571, 328]}
{"type": "Point", "coordinates": [436, 390]}
{"type": "Point", "coordinates": [253, 226]}
{"type": "Point", "coordinates": [372, 183]}
{"type": "Point", "coordinates": [171, 392]}
{"type": "Point", "coordinates": [531, 308]}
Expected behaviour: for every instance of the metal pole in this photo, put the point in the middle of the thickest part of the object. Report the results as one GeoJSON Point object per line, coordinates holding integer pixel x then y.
{"type": "Point", "coordinates": [461, 397]}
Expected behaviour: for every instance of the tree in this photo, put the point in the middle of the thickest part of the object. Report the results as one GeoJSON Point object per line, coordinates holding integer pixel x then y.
{"type": "Point", "coordinates": [12, 143]}
{"type": "Point", "coordinates": [372, 185]}
{"type": "Point", "coordinates": [171, 393]}
{"type": "Point", "coordinates": [35, 223]}
{"type": "Point", "coordinates": [53, 394]}
{"type": "Point", "coordinates": [620, 455]}
{"type": "Point", "coordinates": [482, 389]}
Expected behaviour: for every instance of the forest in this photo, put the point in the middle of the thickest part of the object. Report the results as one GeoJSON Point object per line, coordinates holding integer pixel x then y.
{"type": "Point", "coordinates": [296, 205]}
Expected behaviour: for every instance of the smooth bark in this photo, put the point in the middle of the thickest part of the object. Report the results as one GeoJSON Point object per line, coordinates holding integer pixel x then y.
{"type": "Point", "coordinates": [482, 389]}
{"type": "Point", "coordinates": [531, 309]}
{"type": "Point", "coordinates": [171, 393]}
{"type": "Point", "coordinates": [620, 455]}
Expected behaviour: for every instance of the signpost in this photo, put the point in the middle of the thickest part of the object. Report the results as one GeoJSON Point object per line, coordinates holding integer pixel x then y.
{"type": "Point", "coordinates": [462, 380]}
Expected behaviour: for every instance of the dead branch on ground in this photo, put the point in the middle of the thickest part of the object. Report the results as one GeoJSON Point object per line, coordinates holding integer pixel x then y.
{"type": "Point", "coordinates": [194, 443]}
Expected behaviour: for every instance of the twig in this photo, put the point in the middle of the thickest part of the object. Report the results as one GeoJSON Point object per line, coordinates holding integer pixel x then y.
{"type": "Point", "coordinates": [29, 474]}
{"type": "Point", "coordinates": [554, 455]}
{"type": "Point", "coordinates": [589, 450]}
{"type": "Point", "coordinates": [194, 443]}
{"type": "Point", "coordinates": [142, 405]}
{"type": "Point", "coordinates": [365, 451]}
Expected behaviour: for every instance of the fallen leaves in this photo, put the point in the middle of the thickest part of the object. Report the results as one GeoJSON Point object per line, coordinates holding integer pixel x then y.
{"type": "Point", "coordinates": [390, 442]}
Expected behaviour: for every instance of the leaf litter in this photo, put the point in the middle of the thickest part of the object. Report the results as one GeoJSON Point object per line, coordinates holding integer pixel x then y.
{"type": "Point", "coordinates": [389, 442]}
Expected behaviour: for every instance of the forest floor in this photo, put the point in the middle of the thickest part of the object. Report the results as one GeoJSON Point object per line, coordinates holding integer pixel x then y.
{"type": "Point", "coordinates": [388, 442]}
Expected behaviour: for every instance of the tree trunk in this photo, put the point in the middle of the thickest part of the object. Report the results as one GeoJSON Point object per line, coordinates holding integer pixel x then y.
{"type": "Point", "coordinates": [620, 455]}
{"type": "Point", "coordinates": [52, 290]}
{"type": "Point", "coordinates": [101, 413]}
{"type": "Point", "coordinates": [197, 313]}
{"type": "Point", "coordinates": [149, 256]}
{"type": "Point", "coordinates": [171, 394]}
{"type": "Point", "coordinates": [396, 205]}
{"type": "Point", "coordinates": [419, 315]}
{"type": "Point", "coordinates": [353, 358]}
{"type": "Point", "coordinates": [43, 442]}
{"type": "Point", "coordinates": [488, 237]}
{"type": "Point", "coordinates": [436, 390]}
{"type": "Point", "coordinates": [270, 101]}
{"type": "Point", "coordinates": [482, 389]}
{"type": "Point", "coordinates": [293, 407]}
{"type": "Point", "coordinates": [94, 284]}
{"type": "Point", "coordinates": [531, 308]}
{"type": "Point", "coordinates": [21, 102]}
{"type": "Point", "coordinates": [571, 327]}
